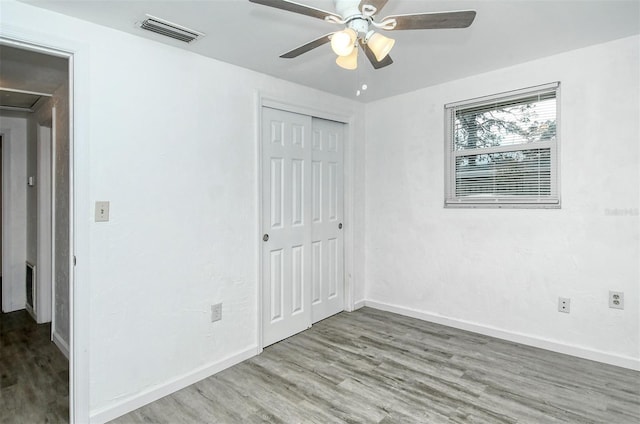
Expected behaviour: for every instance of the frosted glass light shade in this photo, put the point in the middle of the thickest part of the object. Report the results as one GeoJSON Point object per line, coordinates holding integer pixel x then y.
{"type": "Point", "coordinates": [380, 45]}
{"type": "Point", "coordinates": [342, 42]}
{"type": "Point", "coordinates": [348, 62]}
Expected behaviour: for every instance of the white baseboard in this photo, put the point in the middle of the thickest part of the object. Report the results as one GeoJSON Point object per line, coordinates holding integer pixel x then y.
{"type": "Point", "coordinates": [14, 307]}
{"type": "Point", "coordinates": [62, 345]}
{"type": "Point", "coordinates": [358, 304]}
{"type": "Point", "coordinates": [149, 395]}
{"type": "Point", "coordinates": [552, 345]}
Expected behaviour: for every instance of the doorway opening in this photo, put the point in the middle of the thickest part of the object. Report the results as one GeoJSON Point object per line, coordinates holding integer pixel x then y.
{"type": "Point", "coordinates": [36, 230]}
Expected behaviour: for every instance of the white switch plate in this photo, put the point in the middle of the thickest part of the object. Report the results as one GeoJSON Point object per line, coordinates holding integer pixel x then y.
{"type": "Point", "coordinates": [102, 211]}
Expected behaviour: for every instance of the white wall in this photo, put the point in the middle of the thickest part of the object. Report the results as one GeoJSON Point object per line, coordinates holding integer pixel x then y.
{"type": "Point", "coordinates": [169, 138]}
{"type": "Point", "coordinates": [40, 218]}
{"type": "Point", "coordinates": [13, 127]}
{"type": "Point", "coordinates": [44, 276]}
{"type": "Point", "coordinates": [501, 271]}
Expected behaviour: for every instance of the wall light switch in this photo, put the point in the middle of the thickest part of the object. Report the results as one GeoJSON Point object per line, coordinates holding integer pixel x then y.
{"type": "Point", "coordinates": [102, 211]}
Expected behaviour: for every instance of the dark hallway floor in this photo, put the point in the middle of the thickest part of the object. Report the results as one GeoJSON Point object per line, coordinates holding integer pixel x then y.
{"type": "Point", "coordinates": [34, 382]}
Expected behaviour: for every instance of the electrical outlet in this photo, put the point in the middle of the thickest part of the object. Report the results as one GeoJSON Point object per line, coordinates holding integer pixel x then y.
{"type": "Point", "coordinates": [216, 312]}
{"type": "Point", "coordinates": [616, 300]}
{"type": "Point", "coordinates": [564, 305]}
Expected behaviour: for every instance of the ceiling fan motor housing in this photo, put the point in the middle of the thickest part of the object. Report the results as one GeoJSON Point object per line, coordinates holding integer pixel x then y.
{"type": "Point", "coordinates": [360, 25]}
{"type": "Point", "coordinates": [347, 8]}
{"type": "Point", "coordinates": [357, 20]}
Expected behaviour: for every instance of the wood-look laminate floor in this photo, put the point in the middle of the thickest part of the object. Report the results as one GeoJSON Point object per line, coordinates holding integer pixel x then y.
{"type": "Point", "coordinates": [370, 366]}
{"type": "Point", "coordinates": [34, 383]}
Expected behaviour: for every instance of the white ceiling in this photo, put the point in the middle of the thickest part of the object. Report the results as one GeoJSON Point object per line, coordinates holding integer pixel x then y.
{"type": "Point", "coordinates": [253, 36]}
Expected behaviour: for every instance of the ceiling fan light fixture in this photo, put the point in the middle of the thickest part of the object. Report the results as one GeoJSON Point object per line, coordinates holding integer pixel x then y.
{"type": "Point", "coordinates": [343, 42]}
{"type": "Point", "coordinates": [360, 19]}
{"type": "Point", "coordinates": [380, 45]}
{"type": "Point", "coordinates": [348, 62]}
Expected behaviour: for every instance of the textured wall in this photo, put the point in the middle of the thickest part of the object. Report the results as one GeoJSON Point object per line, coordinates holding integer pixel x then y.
{"type": "Point", "coordinates": [60, 101]}
{"type": "Point", "coordinates": [505, 269]}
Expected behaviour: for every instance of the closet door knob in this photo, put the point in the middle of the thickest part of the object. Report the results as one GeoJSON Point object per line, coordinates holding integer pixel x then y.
{"type": "Point", "coordinates": [265, 237]}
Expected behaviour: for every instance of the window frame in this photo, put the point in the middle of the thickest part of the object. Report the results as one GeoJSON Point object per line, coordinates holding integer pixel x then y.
{"type": "Point", "coordinates": [453, 201]}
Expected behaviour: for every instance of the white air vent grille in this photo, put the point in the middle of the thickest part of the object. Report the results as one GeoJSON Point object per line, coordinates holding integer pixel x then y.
{"type": "Point", "coordinates": [169, 29]}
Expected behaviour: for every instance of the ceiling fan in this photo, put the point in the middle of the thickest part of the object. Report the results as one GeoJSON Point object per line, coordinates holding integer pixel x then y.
{"type": "Point", "coordinates": [361, 26]}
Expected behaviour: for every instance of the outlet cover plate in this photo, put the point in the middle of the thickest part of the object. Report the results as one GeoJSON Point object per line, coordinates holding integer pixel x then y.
{"type": "Point", "coordinates": [616, 300]}
{"type": "Point", "coordinates": [564, 305]}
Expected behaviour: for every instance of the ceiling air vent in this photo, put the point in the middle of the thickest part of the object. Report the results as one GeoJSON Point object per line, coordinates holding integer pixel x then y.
{"type": "Point", "coordinates": [169, 29]}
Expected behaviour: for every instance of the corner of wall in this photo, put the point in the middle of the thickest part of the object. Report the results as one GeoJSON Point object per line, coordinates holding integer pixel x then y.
{"type": "Point", "coordinates": [61, 343]}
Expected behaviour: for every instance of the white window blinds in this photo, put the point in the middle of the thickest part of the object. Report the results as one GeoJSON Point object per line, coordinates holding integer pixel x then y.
{"type": "Point", "coordinates": [502, 150]}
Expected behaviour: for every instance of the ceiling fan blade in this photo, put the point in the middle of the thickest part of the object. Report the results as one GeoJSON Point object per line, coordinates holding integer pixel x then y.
{"type": "Point", "coordinates": [294, 7]}
{"type": "Point", "coordinates": [386, 61]}
{"type": "Point", "coordinates": [306, 47]}
{"type": "Point", "coordinates": [437, 20]}
{"type": "Point", "coordinates": [378, 4]}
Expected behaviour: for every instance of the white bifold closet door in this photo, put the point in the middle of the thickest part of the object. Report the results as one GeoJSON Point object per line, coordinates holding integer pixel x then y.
{"type": "Point", "coordinates": [303, 244]}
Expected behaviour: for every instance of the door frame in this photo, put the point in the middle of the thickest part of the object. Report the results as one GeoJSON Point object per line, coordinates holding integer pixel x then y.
{"type": "Point", "coordinates": [46, 223]}
{"type": "Point", "coordinates": [344, 117]}
{"type": "Point", "coordinates": [77, 55]}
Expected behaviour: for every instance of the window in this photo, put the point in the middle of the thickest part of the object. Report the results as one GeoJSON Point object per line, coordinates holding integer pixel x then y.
{"type": "Point", "coordinates": [502, 150]}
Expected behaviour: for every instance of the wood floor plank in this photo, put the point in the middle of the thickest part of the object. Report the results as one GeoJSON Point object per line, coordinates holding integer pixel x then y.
{"type": "Point", "coordinates": [371, 366]}
{"type": "Point", "coordinates": [34, 383]}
